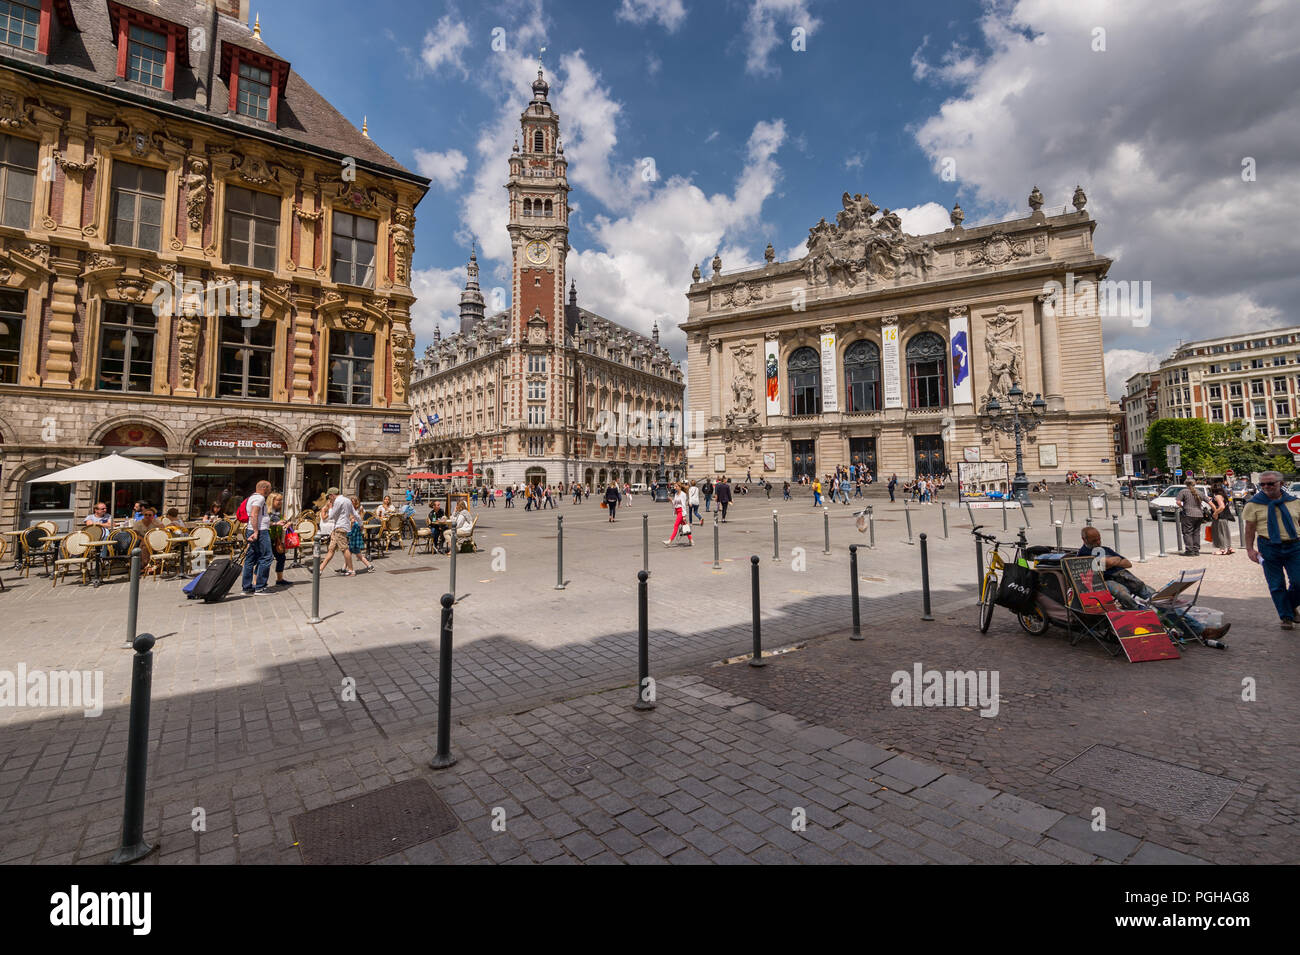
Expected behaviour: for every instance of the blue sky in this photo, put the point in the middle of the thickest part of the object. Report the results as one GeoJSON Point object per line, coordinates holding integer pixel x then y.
{"type": "Point", "coordinates": [753, 141]}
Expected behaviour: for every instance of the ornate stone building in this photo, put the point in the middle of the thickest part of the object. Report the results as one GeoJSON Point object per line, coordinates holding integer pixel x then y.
{"type": "Point", "coordinates": [201, 263]}
{"type": "Point", "coordinates": [545, 392]}
{"type": "Point", "coordinates": [881, 349]}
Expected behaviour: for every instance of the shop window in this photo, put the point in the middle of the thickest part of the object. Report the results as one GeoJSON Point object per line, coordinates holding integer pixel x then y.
{"type": "Point", "coordinates": [12, 316]}
{"type": "Point", "coordinates": [126, 340]}
{"type": "Point", "coordinates": [18, 159]}
{"type": "Point", "coordinates": [246, 357]}
{"type": "Point", "coordinates": [354, 250]}
{"type": "Point", "coordinates": [138, 193]}
{"type": "Point", "coordinates": [252, 225]}
{"type": "Point", "coordinates": [352, 365]}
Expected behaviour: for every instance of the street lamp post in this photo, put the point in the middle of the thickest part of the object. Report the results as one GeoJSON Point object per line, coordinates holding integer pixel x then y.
{"type": "Point", "coordinates": [1019, 416]}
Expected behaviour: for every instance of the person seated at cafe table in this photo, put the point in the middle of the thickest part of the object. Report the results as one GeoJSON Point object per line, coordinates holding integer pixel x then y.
{"type": "Point", "coordinates": [435, 516]}
{"type": "Point", "coordinates": [147, 521]}
{"type": "Point", "coordinates": [214, 513]}
{"type": "Point", "coordinates": [99, 515]}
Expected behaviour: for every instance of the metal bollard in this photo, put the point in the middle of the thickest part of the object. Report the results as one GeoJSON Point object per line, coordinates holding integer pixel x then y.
{"type": "Point", "coordinates": [133, 601]}
{"type": "Point", "coordinates": [315, 581]}
{"type": "Point", "coordinates": [1004, 515]}
{"type": "Point", "coordinates": [645, 540]}
{"type": "Point", "coordinates": [455, 546]}
{"type": "Point", "coordinates": [943, 509]}
{"type": "Point", "coordinates": [643, 646]}
{"type": "Point", "coordinates": [1060, 542]}
{"type": "Point", "coordinates": [908, 514]}
{"type": "Point", "coordinates": [1051, 510]}
{"type": "Point", "coordinates": [871, 527]}
{"type": "Point", "coordinates": [443, 758]}
{"type": "Point", "coordinates": [1142, 550]}
{"type": "Point", "coordinates": [1241, 528]}
{"type": "Point", "coordinates": [1106, 498]}
{"type": "Point", "coordinates": [133, 846]}
{"type": "Point", "coordinates": [559, 551]}
{"type": "Point", "coordinates": [1121, 502]}
{"type": "Point", "coordinates": [1070, 501]}
{"type": "Point", "coordinates": [757, 659]}
{"type": "Point", "coordinates": [826, 525]}
{"type": "Point", "coordinates": [853, 588]}
{"type": "Point", "coordinates": [717, 565]}
{"type": "Point", "coordinates": [1160, 533]}
{"type": "Point", "coordinates": [925, 581]}
{"type": "Point", "coordinates": [776, 538]}
{"type": "Point", "coordinates": [1114, 523]}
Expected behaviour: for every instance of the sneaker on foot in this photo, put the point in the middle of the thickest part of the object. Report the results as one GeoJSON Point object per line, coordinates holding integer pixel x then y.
{"type": "Point", "coordinates": [1288, 623]}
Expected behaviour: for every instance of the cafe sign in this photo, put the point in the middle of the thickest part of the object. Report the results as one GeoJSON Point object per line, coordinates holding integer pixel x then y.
{"type": "Point", "coordinates": [240, 445]}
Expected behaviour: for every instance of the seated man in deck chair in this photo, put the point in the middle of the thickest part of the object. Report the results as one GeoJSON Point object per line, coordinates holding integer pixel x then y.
{"type": "Point", "coordinates": [1128, 587]}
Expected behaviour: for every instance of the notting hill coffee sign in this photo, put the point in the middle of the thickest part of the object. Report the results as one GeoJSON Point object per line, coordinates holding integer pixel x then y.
{"type": "Point", "coordinates": [242, 443]}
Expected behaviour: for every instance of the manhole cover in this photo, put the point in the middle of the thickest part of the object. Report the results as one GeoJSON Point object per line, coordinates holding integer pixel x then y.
{"type": "Point", "coordinates": [409, 570]}
{"type": "Point", "coordinates": [369, 827]}
{"type": "Point", "coordinates": [1174, 790]}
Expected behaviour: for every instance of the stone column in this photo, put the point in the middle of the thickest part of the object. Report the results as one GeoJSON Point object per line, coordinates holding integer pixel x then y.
{"type": "Point", "coordinates": [715, 382]}
{"type": "Point", "coordinates": [1051, 347]}
{"type": "Point", "coordinates": [301, 391]}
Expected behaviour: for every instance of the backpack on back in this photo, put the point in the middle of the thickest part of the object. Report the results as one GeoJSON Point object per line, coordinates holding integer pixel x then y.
{"type": "Point", "coordinates": [242, 513]}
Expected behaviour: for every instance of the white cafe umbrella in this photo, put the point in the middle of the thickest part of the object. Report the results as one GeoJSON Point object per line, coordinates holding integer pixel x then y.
{"type": "Point", "coordinates": [110, 469]}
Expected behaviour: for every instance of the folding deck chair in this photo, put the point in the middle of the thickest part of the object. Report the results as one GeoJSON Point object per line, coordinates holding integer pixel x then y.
{"type": "Point", "coordinates": [1139, 633]}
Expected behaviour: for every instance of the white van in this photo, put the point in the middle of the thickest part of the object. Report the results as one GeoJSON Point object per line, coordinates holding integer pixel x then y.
{"type": "Point", "coordinates": [639, 489]}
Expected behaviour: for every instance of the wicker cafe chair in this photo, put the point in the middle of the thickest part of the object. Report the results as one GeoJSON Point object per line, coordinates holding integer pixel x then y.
{"type": "Point", "coordinates": [35, 549]}
{"type": "Point", "coordinates": [72, 553]}
{"type": "Point", "coordinates": [306, 528]}
{"type": "Point", "coordinates": [223, 528]}
{"type": "Point", "coordinates": [124, 540]}
{"type": "Point", "coordinates": [94, 531]}
{"type": "Point", "coordinates": [420, 535]}
{"type": "Point", "coordinates": [394, 525]}
{"type": "Point", "coordinates": [205, 539]}
{"type": "Point", "coordinates": [49, 527]}
{"type": "Point", "coordinates": [163, 551]}
{"type": "Point", "coordinates": [465, 539]}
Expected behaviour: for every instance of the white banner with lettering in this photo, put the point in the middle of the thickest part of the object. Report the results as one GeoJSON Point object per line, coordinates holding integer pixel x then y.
{"type": "Point", "coordinates": [889, 364]}
{"type": "Point", "coordinates": [772, 378]}
{"type": "Point", "coordinates": [830, 396]}
{"type": "Point", "coordinates": [959, 346]}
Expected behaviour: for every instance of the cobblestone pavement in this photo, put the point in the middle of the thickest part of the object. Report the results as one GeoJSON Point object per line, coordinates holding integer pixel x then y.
{"type": "Point", "coordinates": [248, 718]}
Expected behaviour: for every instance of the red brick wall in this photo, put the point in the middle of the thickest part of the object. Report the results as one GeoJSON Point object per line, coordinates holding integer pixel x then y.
{"type": "Point", "coordinates": [532, 295]}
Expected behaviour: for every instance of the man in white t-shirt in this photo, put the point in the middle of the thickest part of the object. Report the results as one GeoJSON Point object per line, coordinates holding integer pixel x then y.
{"type": "Point", "coordinates": [258, 557]}
{"type": "Point", "coordinates": [341, 514]}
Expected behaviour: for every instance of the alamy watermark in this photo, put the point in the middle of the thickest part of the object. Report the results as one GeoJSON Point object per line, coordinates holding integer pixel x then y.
{"type": "Point", "coordinates": [59, 689]}
{"type": "Point", "coordinates": [1111, 298]}
{"type": "Point", "coordinates": [946, 688]}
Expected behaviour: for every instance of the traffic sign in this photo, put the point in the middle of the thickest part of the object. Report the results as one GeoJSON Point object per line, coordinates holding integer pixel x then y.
{"type": "Point", "coordinates": [1229, 474]}
{"type": "Point", "coordinates": [1293, 444]}
{"type": "Point", "coordinates": [1173, 455]}
{"type": "Point", "coordinates": [1178, 472]}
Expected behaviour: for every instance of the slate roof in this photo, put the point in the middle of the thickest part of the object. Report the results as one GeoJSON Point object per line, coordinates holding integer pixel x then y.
{"type": "Point", "coordinates": [87, 56]}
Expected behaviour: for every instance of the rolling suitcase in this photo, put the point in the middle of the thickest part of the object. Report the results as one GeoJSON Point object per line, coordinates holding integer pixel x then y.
{"type": "Point", "coordinates": [216, 580]}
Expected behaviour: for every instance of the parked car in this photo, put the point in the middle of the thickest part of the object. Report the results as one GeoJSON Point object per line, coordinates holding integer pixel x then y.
{"type": "Point", "coordinates": [1145, 492]}
{"type": "Point", "coordinates": [1165, 507]}
{"type": "Point", "coordinates": [639, 488]}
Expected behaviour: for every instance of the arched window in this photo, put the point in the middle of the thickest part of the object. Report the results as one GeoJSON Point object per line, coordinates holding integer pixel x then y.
{"type": "Point", "coordinates": [548, 207]}
{"type": "Point", "coordinates": [805, 374]}
{"type": "Point", "coordinates": [862, 376]}
{"type": "Point", "coordinates": [528, 207]}
{"type": "Point", "coordinates": [927, 371]}
{"type": "Point", "coordinates": [539, 141]}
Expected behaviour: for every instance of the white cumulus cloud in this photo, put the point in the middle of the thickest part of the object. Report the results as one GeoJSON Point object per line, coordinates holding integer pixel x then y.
{"type": "Point", "coordinates": [770, 25]}
{"type": "Point", "coordinates": [445, 169]}
{"type": "Point", "coordinates": [669, 13]}
{"type": "Point", "coordinates": [445, 43]}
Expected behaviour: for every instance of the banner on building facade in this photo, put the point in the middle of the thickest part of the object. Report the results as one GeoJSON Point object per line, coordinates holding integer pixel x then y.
{"type": "Point", "coordinates": [771, 369]}
{"type": "Point", "coordinates": [959, 345]}
{"type": "Point", "coordinates": [830, 395]}
{"type": "Point", "coordinates": [889, 366]}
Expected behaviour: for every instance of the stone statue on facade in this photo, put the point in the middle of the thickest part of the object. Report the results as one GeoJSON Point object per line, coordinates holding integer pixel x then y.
{"type": "Point", "coordinates": [858, 249]}
{"type": "Point", "coordinates": [1002, 345]}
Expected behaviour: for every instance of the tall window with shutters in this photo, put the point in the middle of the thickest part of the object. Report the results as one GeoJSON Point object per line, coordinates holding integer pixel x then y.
{"type": "Point", "coordinates": [252, 226]}
{"type": "Point", "coordinates": [137, 204]}
{"type": "Point", "coordinates": [18, 160]}
{"type": "Point", "coordinates": [354, 250]}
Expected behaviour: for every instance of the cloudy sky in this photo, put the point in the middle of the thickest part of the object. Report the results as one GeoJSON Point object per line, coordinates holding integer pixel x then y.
{"type": "Point", "coordinates": [702, 126]}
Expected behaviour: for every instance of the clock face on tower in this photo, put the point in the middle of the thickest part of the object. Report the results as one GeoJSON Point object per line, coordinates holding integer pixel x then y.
{"type": "Point", "coordinates": [538, 252]}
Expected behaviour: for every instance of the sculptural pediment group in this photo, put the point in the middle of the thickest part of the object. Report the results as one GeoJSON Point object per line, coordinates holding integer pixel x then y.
{"type": "Point", "coordinates": [862, 249]}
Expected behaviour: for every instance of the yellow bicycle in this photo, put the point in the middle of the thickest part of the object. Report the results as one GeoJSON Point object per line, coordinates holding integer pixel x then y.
{"type": "Point", "coordinates": [992, 573]}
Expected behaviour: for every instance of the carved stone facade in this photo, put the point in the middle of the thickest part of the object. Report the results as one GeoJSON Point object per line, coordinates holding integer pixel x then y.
{"type": "Point", "coordinates": [882, 348]}
{"type": "Point", "coordinates": [80, 293]}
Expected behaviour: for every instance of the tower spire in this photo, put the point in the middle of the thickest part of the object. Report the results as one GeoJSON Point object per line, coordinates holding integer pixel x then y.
{"type": "Point", "coordinates": [471, 299]}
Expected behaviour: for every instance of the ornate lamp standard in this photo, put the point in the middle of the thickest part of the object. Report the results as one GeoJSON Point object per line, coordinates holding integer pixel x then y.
{"type": "Point", "coordinates": [661, 485]}
{"type": "Point", "coordinates": [1018, 416]}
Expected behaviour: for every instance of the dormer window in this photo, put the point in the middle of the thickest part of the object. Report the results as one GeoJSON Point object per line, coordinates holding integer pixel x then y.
{"type": "Point", "coordinates": [149, 48]}
{"type": "Point", "coordinates": [254, 91]}
{"type": "Point", "coordinates": [20, 23]}
{"type": "Point", "coordinates": [256, 81]}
